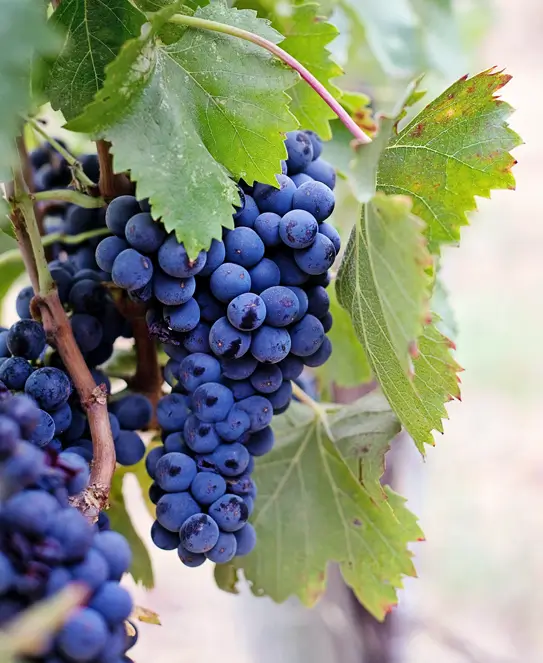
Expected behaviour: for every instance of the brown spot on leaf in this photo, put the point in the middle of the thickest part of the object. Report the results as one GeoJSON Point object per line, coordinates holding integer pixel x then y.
{"type": "Point", "coordinates": [417, 131]}
{"type": "Point", "coordinates": [357, 522]}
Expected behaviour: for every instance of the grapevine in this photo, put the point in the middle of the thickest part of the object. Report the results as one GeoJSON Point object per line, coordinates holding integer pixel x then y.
{"type": "Point", "coordinates": [197, 287]}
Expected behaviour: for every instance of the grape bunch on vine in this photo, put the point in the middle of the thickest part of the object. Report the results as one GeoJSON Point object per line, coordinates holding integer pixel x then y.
{"type": "Point", "coordinates": [215, 236]}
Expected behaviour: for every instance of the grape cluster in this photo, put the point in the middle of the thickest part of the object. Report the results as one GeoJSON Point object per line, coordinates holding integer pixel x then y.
{"type": "Point", "coordinates": [45, 543]}
{"type": "Point", "coordinates": [62, 422]}
{"type": "Point", "coordinates": [239, 322]}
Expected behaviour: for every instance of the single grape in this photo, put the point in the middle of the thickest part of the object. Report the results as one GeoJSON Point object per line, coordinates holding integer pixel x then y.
{"type": "Point", "coordinates": [62, 418]}
{"type": "Point", "coordinates": [163, 538]}
{"type": "Point", "coordinates": [197, 340]}
{"type": "Point", "coordinates": [131, 270]}
{"type": "Point", "coordinates": [207, 487]}
{"type": "Point", "coordinates": [316, 142]}
{"type": "Point", "coordinates": [118, 212]}
{"type": "Point", "coordinates": [87, 296]}
{"type": "Point", "coordinates": [242, 485]}
{"type": "Point", "coordinates": [246, 312]}
{"type": "Point", "coordinates": [315, 198]}
{"type": "Point", "coordinates": [229, 281]}
{"type": "Point", "coordinates": [113, 602]}
{"type": "Point", "coordinates": [199, 533]}
{"type": "Point", "coordinates": [190, 559]}
{"type": "Point", "coordinates": [300, 151]}
{"type": "Point", "coordinates": [144, 234]}
{"type": "Point", "coordinates": [175, 472]}
{"type": "Point", "coordinates": [26, 338]}
{"type": "Point", "coordinates": [215, 258]}
{"type": "Point", "coordinates": [49, 387]}
{"type": "Point", "coordinates": [175, 261]}
{"type": "Point", "coordinates": [31, 512]}
{"type": "Point", "coordinates": [182, 318]}
{"type": "Point", "coordinates": [212, 402]}
{"type": "Point", "coordinates": [108, 250]}
{"type": "Point", "coordinates": [264, 275]}
{"type": "Point", "coordinates": [176, 352]}
{"type": "Point", "coordinates": [173, 509]}
{"type": "Point", "coordinates": [77, 468]}
{"type": "Point", "coordinates": [291, 274]}
{"type": "Point", "coordinates": [44, 432]}
{"type": "Point", "coordinates": [243, 247]}
{"type": "Point", "coordinates": [281, 398]}
{"type": "Point", "coordinates": [83, 636]}
{"type": "Point", "coordinates": [303, 301]}
{"type": "Point", "coordinates": [245, 539]}
{"type": "Point", "coordinates": [321, 356]}
{"type": "Point", "coordinates": [247, 214]}
{"type": "Point", "coordinates": [173, 291]}
{"type": "Point", "coordinates": [227, 341]}
{"type": "Point", "coordinates": [272, 199]}
{"type": "Point", "coordinates": [270, 345]}
{"type": "Point", "coordinates": [318, 301]}
{"type": "Point", "coordinates": [14, 372]}
{"type": "Point", "coordinates": [236, 423]}
{"type": "Point", "coordinates": [133, 411]}
{"type": "Point", "coordinates": [172, 411]}
{"type": "Point", "coordinates": [210, 308]}
{"type": "Point", "coordinates": [87, 330]}
{"type": "Point", "coordinates": [22, 303]}
{"type": "Point", "coordinates": [239, 369]}
{"type": "Point", "coordinates": [231, 459]}
{"type": "Point", "coordinates": [298, 229]}
{"type": "Point", "coordinates": [307, 336]}
{"type": "Point", "coordinates": [301, 178]}
{"type": "Point", "coordinates": [152, 459]}
{"type": "Point", "coordinates": [224, 550]}
{"type": "Point", "coordinates": [72, 531]}
{"type": "Point", "coordinates": [129, 448]}
{"type": "Point", "coordinates": [267, 228]}
{"type": "Point", "coordinates": [327, 322]}
{"type": "Point", "coordinates": [318, 258]}
{"type": "Point", "coordinates": [267, 378]}
{"type": "Point", "coordinates": [198, 368]}
{"type": "Point", "coordinates": [291, 367]}
{"type": "Point", "coordinates": [322, 171]}
{"type": "Point", "coordinates": [282, 306]}
{"type": "Point", "coordinates": [229, 512]}
{"type": "Point", "coordinates": [200, 436]}
{"type": "Point", "coordinates": [259, 410]}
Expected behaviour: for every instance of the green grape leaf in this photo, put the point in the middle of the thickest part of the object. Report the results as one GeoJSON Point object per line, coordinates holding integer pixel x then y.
{"type": "Point", "coordinates": [307, 36]}
{"type": "Point", "coordinates": [169, 32]}
{"type": "Point", "coordinates": [210, 100]}
{"type": "Point", "coordinates": [391, 32]}
{"type": "Point", "coordinates": [11, 267]}
{"type": "Point", "coordinates": [95, 32]}
{"type": "Point", "coordinates": [24, 35]}
{"type": "Point", "coordinates": [349, 365]}
{"type": "Point", "coordinates": [455, 149]}
{"type": "Point", "coordinates": [142, 568]}
{"type": "Point", "coordinates": [312, 510]}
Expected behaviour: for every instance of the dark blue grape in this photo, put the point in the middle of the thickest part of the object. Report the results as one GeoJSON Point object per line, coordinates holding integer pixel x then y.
{"type": "Point", "coordinates": [173, 509]}
{"type": "Point", "coordinates": [113, 602]}
{"type": "Point", "coordinates": [264, 275]}
{"type": "Point", "coordinates": [318, 258]}
{"type": "Point", "coordinates": [321, 356]}
{"type": "Point", "coordinates": [31, 512]}
{"type": "Point", "coordinates": [300, 151]}
{"type": "Point", "coordinates": [129, 448]}
{"type": "Point", "coordinates": [227, 341]}
{"type": "Point", "coordinates": [116, 551]}
{"type": "Point", "coordinates": [315, 198]}
{"type": "Point", "coordinates": [245, 539]}
{"type": "Point", "coordinates": [152, 459]}
{"type": "Point", "coordinates": [44, 432]}
{"type": "Point", "coordinates": [267, 228]}
{"type": "Point", "coordinates": [291, 274]}
{"type": "Point", "coordinates": [327, 322]}
{"type": "Point", "coordinates": [322, 171]}
{"type": "Point", "coordinates": [175, 261]}
{"type": "Point", "coordinates": [108, 250]}
{"type": "Point", "coordinates": [144, 234]}
{"type": "Point", "coordinates": [26, 338]}
{"type": "Point", "coordinates": [173, 291]}
{"type": "Point", "coordinates": [200, 436]}
{"type": "Point", "coordinates": [224, 550]}
{"type": "Point", "coordinates": [229, 512]}
{"type": "Point", "coordinates": [77, 468]}
{"type": "Point", "coordinates": [240, 388]}
{"type": "Point", "coordinates": [118, 212]}
{"type": "Point", "coordinates": [303, 301]}
{"type": "Point", "coordinates": [163, 538]}
{"type": "Point", "coordinates": [133, 411]}
{"type": "Point", "coordinates": [199, 533]}
{"type": "Point", "coordinates": [318, 301]}
{"type": "Point", "coordinates": [49, 387]}
{"type": "Point", "coordinates": [93, 570]}
{"type": "Point", "coordinates": [282, 306]}
{"type": "Point", "coordinates": [243, 247]}
{"type": "Point", "coordinates": [72, 531]}
{"type": "Point", "coordinates": [270, 345]}
{"type": "Point", "coordinates": [198, 368]}
{"type": "Point", "coordinates": [212, 402]}
{"type": "Point", "coordinates": [267, 378]}
{"type": "Point", "coordinates": [190, 559]}
{"type": "Point", "coordinates": [301, 178]}
{"type": "Point", "coordinates": [229, 281]}
{"type": "Point", "coordinates": [281, 398]}
{"type": "Point", "coordinates": [197, 340]}
{"type": "Point", "coordinates": [247, 214]}
{"type": "Point", "coordinates": [260, 411]}
{"type": "Point", "coordinates": [14, 372]}
{"type": "Point", "coordinates": [83, 636]}
{"type": "Point", "coordinates": [307, 336]}
{"type": "Point", "coordinates": [131, 270]}
{"type": "Point", "coordinates": [316, 142]}
{"type": "Point", "coordinates": [234, 425]}
{"type": "Point", "coordinates": [231, 459]}
{"type": "Point", "coordinates": [242, 485]}
{"type": "Point", "coordinates": [239, 369]}
{"type": "Point", "coordinates": [246, 312]}
{"type": "Point", "coordinates": [207, 487]}
{"type": "Point", "coordinates": [172, 411]}
{"type": "Point", "coordinates": [210, 308]}
{"type": "Point", "coordinates": [329, 231]}
{"type": "Point", "coordinates": [87, 296]}
{"type": "Point", "coordinates": [87, 330]}
{"type": "Point", "coordinates": [176, 352]}
{"type": "Point", "coordinates": [182, 318]}
{"type": "Point", "coordinates": [215, 257]}
{"type": "Point", "coordinates": [10, 432]}
{"type": "Point", "coordinates": [298, 229]}
{"type": "Point", "coordinates": [62, 418]}
{"type": "Point", "coordinates": [22, 303]}
{"type": "Point", "coordinates": [272, 199]}
{"type": "Point", "coordinates": [175, 472]}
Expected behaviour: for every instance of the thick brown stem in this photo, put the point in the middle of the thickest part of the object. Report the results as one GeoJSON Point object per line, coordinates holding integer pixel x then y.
{"type": "Point", "coordinates": [110, 184]}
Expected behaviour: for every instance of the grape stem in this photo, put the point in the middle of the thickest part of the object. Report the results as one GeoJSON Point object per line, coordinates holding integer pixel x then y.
{"type": "Point", "coordinates": [69, 196]}
{"type": "Point", "coordinates": [215, 26]}
{"type": "Point", "coordinates": [46, 304]}
{"type": "Point", "coordinates": [319, 410]}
